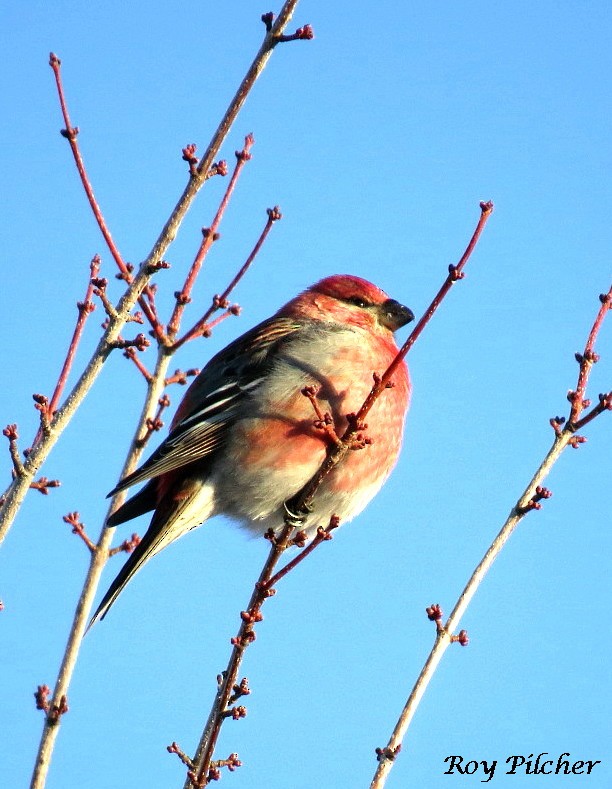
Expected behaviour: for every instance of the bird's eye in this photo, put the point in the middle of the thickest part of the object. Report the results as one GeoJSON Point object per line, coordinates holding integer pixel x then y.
{"type": "Point", "coordinates": [358, 302]}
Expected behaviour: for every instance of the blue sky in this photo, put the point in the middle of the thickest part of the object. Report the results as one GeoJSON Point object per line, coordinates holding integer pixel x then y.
{"type": "Point", "coordinates": [377, 139]}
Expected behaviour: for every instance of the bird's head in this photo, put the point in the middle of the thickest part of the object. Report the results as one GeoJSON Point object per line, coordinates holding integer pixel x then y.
{"type": "Point", "coordinates": [346, 299]}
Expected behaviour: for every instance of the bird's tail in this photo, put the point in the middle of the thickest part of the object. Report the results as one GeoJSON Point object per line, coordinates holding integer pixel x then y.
{"type": "Point", "coordinates": [169, 523]}
{"type": "Point", "coordinates": [144, 501]}
{"type": "Point", "coordinates": [148, 547]}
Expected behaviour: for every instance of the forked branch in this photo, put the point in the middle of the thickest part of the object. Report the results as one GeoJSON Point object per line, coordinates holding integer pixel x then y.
{"type": "Point", "coordinates": [15, 493]}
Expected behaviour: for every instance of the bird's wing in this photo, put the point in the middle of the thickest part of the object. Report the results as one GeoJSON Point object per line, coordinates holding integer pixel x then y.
{"type": "Point", "coordinates": [213, 400]}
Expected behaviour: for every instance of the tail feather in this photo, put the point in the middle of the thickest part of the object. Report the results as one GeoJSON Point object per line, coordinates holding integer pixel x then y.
{"type": "Point", "coordinates": [148, 547]}
{"type": "Point", "coordinates": [144, 501]}
{"type": "Point", "coordinates": [190, 506]}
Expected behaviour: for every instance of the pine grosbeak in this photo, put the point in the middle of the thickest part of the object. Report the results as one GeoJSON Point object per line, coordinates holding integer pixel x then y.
{"type": "Point", "coordinates": [243, 440]}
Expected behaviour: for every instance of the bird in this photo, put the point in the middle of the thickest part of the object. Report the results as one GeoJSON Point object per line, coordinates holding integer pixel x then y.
{"type": "Point", "coordinates": [245, 438]}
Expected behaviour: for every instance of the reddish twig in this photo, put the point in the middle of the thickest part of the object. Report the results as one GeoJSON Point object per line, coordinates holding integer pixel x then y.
{"type": "Point", "coordinates": [127, 546]}
{"type": "Point", "coordinates": [604, 404]}
{"type": "Point", "coordinates": [218, 168]}
{"type": "Point", "coordinates": [214, 771]}
{"type": "Point", "coordinates": [240, 690]}
{"type": "Point", "coordinates": [155, 423]}
{"type": "Point", "coordinates": [42, 697]}
{"type": "Point", "coordinates": [534, 502]}
{"type": "Point", "coordinates": [181, 377]}
{"type": "Point", "coordinates": [455, 273]}
{"type": "Point", "coordinates": [130, 353]}
{"type": "Point", "coordinates": [140, 343]}
{"type": "Point", "coordinates": [41, 404]}
{"type": "Point", "coordinates": [174, 748]}
{"type": "Point", "coordinates": [100, 291]}
{"type": "Point", "coordinates": [220, 301]}
{"type": "Point", "coordinates": [321, 536]}
{"type": "Point", "coordinates": [52, 711]}
{"type": "Point", "coordinates": [10, 431]}
{"type": "Point", "coordinates": [190, 157]}
{"type": "Point", "coordinates": [434, 614]}
{"type": "Point", "coordinates": [78, 528]}
{"type": "Point", "coordinates": [183, 297]}
{"type": "Point", "coordinates": [70, 133]}
{"type": "Point", "coordinates": [204, 329]}
{"type": "Point", "coordinates": [42, 485]}
{"type": "Point", "coordinates": [305, 33]}
{"type": "Point", "coordinates": [586, 360]}
{"type": "Point", "coordinates": [324, 421]}
{"type": "Point", "coordinates": [85, 308]}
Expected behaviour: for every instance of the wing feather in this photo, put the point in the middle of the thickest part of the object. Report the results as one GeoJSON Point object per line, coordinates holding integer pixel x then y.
{"type": "Point", "coordinates": [214, 400]}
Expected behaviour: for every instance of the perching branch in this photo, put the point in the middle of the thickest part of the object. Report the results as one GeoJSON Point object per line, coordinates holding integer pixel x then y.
{"type": "Point", "coordinates": [528, 501]}
{"type": "Point", "coordinates": [198, 772]}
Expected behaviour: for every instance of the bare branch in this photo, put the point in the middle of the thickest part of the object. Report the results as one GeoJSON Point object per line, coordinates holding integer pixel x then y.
{"type": "Point", "coordinates": [11, 432]}
{"type": "Point", "coordinates": [229, 691]}
{"type": "Point", "coordinates": [529, 500]}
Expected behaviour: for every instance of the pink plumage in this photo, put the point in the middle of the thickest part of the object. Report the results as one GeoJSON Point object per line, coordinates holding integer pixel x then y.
{"type": "Point", "coordinates": [243, 440]}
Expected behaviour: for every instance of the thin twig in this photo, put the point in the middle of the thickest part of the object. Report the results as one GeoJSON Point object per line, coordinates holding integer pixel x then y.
{"type": "Point", "coordinates": [322, 535]}
{"type": "Point", "coordinates": [11, 432]}
{"type": "Point", "coordinates": [587, 359]}
{"type": "Point", "coordinates": [71, 133]}
{"type": "Point", "coordinates": [42, 485]}
{"type": "Point", "coordinates": [181, 377]}
{"type": "Point", "coordinates": [220, 301]}
{"type": "Point", "coordinates": [130, 353]}
{"type": "Point", "coordinates": [455, 273]}
{"type": "Point", "coordinates": [85, 308]}
{"type": "Point", "coordinates": [183, 297]}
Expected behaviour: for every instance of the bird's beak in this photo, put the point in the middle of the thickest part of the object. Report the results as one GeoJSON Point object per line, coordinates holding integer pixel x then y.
{"type": "Point", "coordinates": [394, 315]}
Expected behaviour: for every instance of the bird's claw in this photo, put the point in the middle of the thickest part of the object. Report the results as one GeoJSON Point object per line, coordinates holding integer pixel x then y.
{"type": "Point", "coordinates": [299, 516]}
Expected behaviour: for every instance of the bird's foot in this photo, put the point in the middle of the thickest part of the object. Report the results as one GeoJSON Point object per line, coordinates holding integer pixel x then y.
{"type": "Point", "coordinates": [297, 515]}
